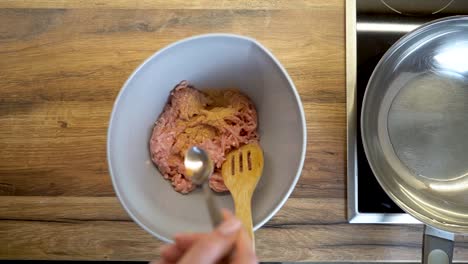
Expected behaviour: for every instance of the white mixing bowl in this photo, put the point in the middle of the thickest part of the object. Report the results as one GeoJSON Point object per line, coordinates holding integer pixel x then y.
{"type": "Point", "coordinates": [214, 60]}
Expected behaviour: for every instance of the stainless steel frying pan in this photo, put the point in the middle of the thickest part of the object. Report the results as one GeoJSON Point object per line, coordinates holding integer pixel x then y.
{"type": "Point", "coordinates": [415, 130]}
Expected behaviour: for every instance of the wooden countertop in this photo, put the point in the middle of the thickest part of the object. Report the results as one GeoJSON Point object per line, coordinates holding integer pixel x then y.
{"type": "Point", "coordinates": [62, 64]}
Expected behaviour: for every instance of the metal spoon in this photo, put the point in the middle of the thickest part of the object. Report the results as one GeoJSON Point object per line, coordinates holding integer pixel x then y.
{"type": "Point", "coordinates": [200, 168]}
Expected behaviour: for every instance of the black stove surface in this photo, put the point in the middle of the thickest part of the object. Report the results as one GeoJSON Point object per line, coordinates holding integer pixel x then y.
{"type": "Point", "coordinates": [371, 197]}
{"type": "Point", "coordinates": [372, 43]}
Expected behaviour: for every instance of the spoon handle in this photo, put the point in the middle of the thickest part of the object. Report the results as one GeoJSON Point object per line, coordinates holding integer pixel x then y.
{"type": "Point", "coordinates": [213, 209]}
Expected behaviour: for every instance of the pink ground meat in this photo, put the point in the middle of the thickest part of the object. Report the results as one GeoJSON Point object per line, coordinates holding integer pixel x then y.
{"type": "Point", "coordinates": [218, 121]}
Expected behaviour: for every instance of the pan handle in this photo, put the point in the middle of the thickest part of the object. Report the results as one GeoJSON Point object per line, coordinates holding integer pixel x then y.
{"type": "Point", "coordinates": [437, 246]}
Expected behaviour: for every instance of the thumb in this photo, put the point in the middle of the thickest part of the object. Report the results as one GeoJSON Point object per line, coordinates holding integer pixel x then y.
{"type": "Point", "coordinates": [214, 246]}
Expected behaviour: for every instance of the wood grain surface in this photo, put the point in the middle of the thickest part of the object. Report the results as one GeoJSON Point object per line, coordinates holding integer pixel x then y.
{"type": "Point", "coordinates": [62, 64]}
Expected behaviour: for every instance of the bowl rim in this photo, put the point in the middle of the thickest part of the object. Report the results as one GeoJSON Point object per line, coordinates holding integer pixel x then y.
{"type": "Point", "coordinates": [168, 47]}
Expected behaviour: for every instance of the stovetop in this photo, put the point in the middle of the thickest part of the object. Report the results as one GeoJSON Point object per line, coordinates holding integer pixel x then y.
{"type": "Point", "coordinates": [372, 26]}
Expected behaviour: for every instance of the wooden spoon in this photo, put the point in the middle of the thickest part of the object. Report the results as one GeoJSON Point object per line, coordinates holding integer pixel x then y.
{"type": "Point", "coordinates": [241, 171]}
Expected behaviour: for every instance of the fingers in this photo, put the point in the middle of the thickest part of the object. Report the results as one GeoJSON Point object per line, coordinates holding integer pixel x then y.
{"type": "Point", "coordinates": [226, 214]}
{"type": "Point", "coordinates": [245, 252]}
{"type": "Point", "coordinates": [161, 262]}
{"type": "Point", "coordinates": [215, 245]}
{"type": "Point", "coordinates": [171, 253]}
{"type": "Point", "coordinates": [185, 241]}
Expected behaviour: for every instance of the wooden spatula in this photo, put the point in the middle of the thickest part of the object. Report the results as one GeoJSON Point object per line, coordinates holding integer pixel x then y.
{"type": "Point", "coordinates": [241, 171]}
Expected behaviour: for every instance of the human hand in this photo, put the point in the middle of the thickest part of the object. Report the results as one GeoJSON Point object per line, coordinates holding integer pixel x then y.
{"type": "Point", "coordinates": [228, 239]}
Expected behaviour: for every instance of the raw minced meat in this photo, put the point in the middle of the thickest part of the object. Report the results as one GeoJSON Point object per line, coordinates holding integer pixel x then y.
{"type": "Point", "coordinates": [217, 121]}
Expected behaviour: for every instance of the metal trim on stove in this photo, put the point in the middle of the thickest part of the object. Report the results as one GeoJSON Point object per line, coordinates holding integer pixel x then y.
{"type": "Point", "coordinates": [354, 216]}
